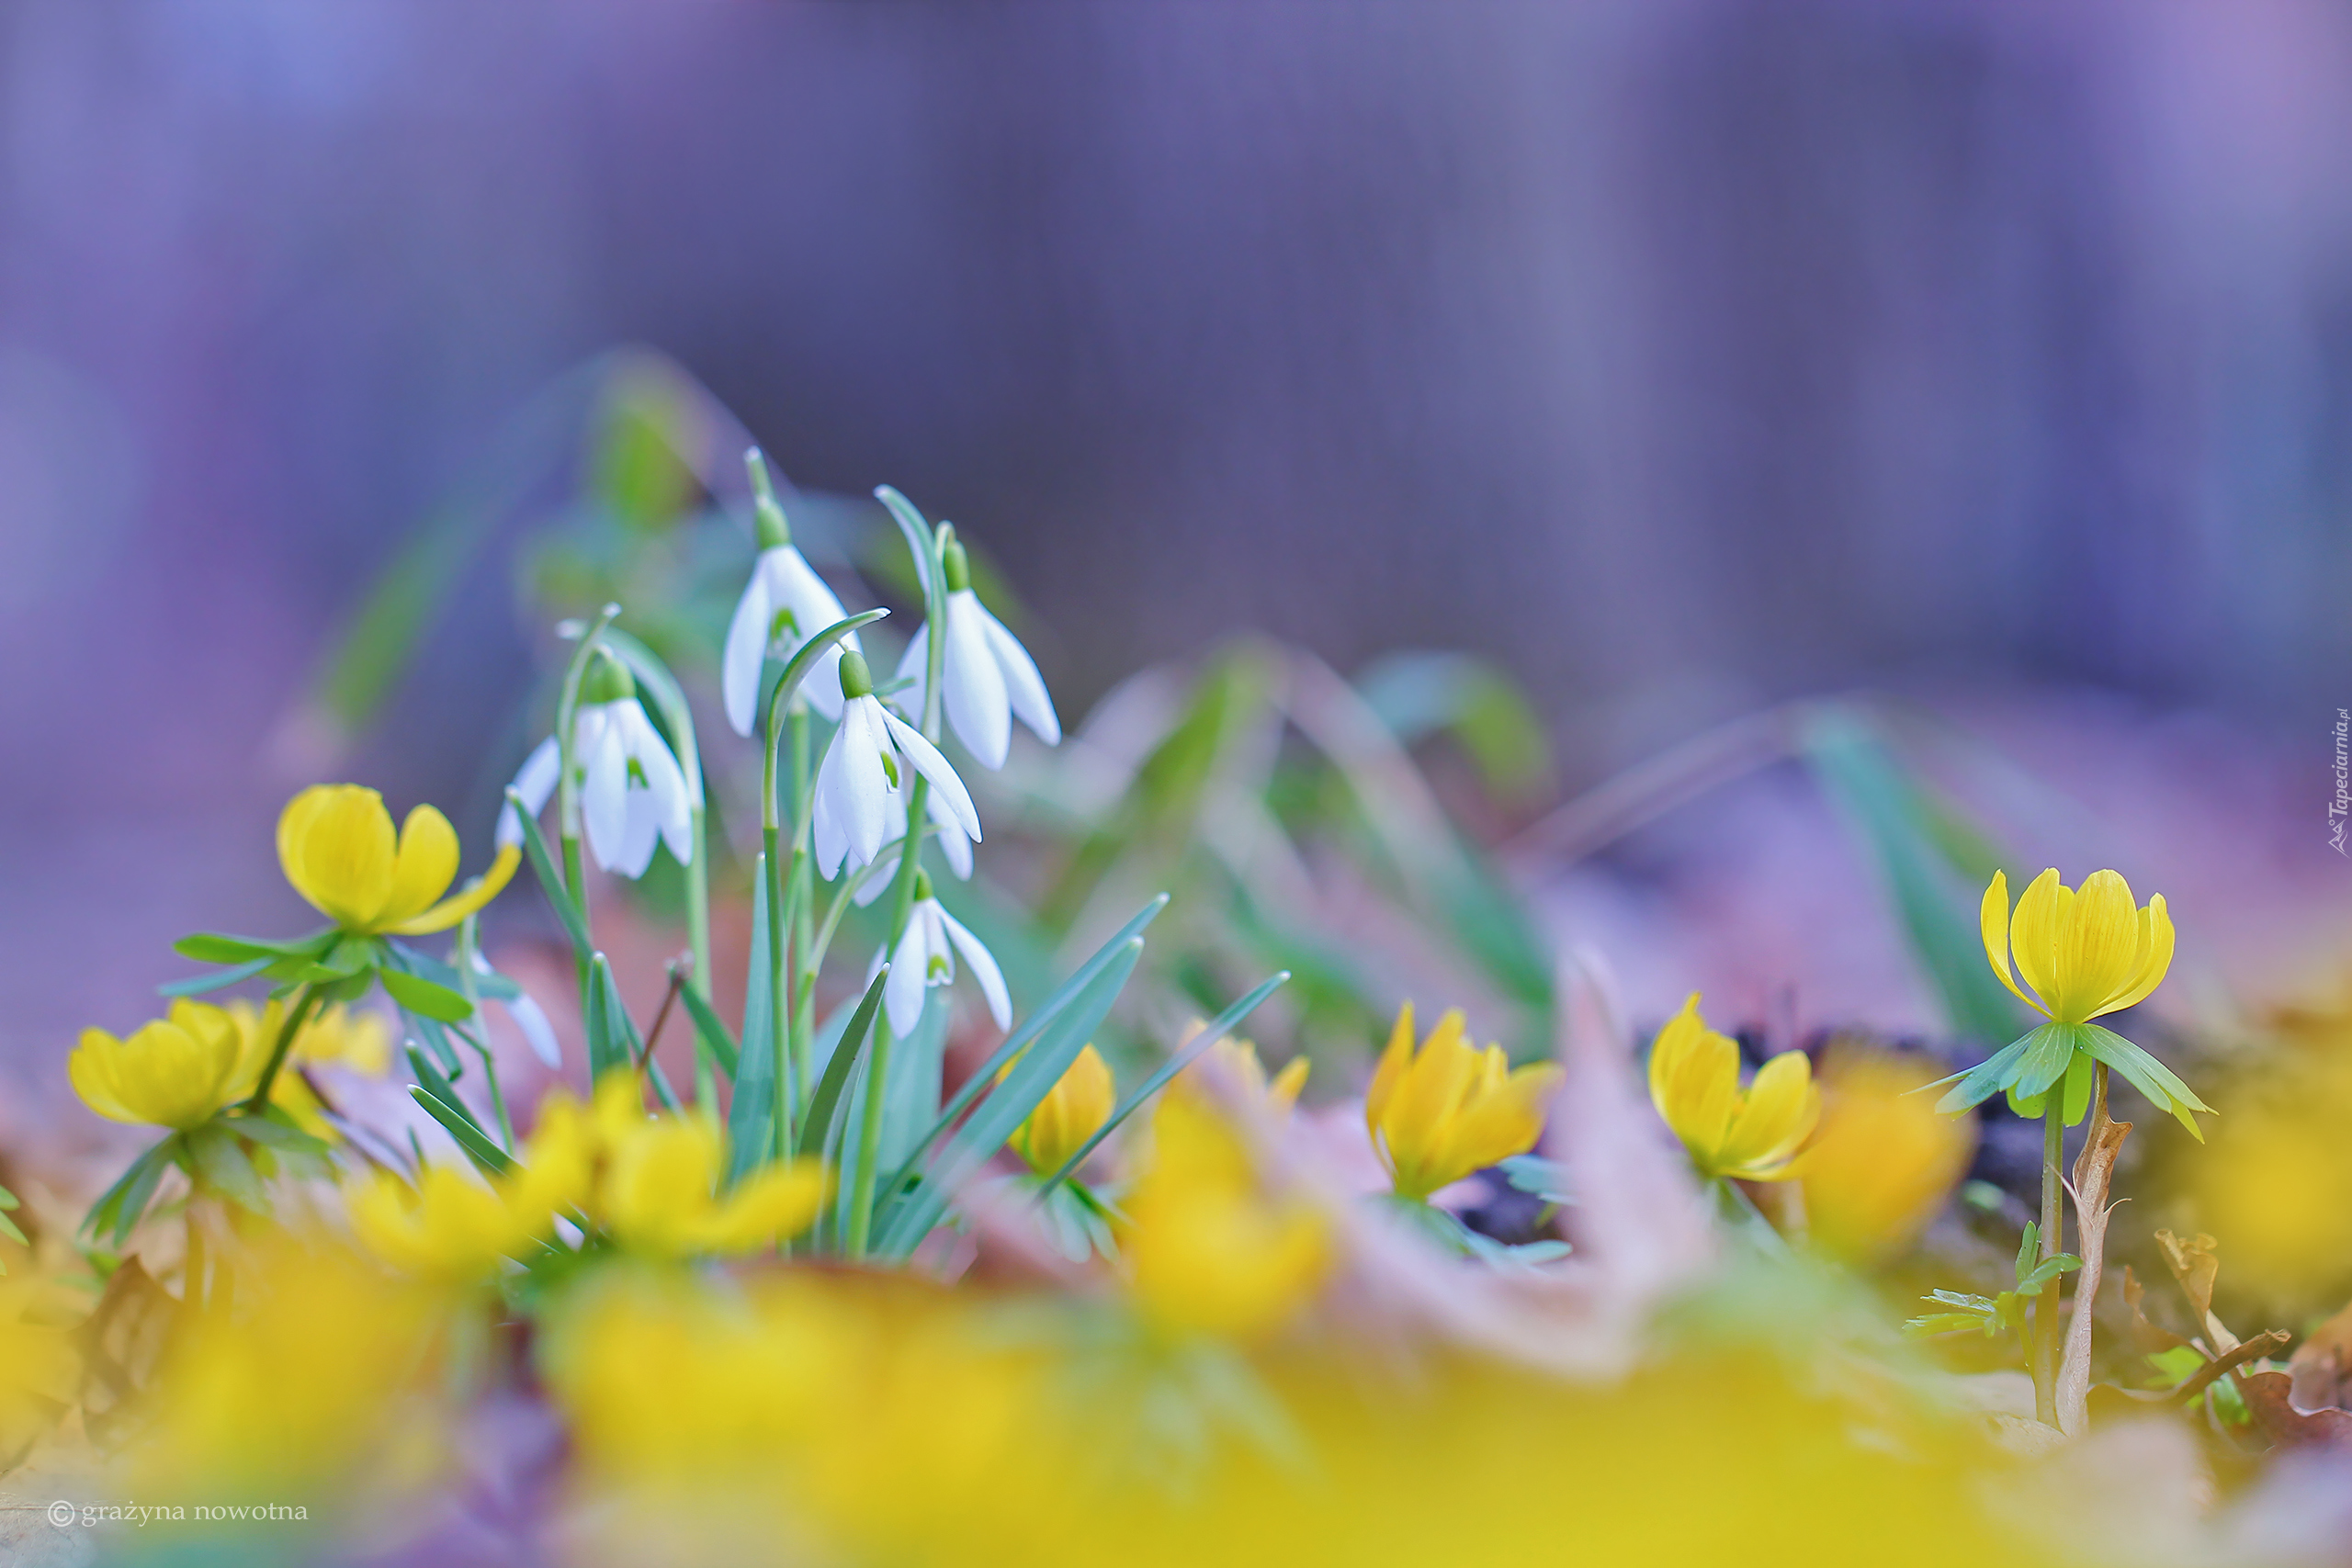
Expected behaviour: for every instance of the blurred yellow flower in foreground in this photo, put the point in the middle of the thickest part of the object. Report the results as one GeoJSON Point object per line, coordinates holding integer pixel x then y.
{"type": "Point", "coordinates": [1236, 1062]}
{"type": "Point", "coordinates": [174, 1072]}
{"type": "Point", "coordinates": [336, 844]}
{"type": "Point", "coordinates": [660, 1192]}
{"type": "Point", "coordinates": [1207, 1248]}
{"type": "Point", "coordinates": [1451, 1108]}
{"type": "Point", "coordinates": [1071, 1113]}
{"type": "Point", "coordinates": [1885, 1158]}
{"type": "Point", "coordinates": [451, 1225]}
{"type": "Point", "coordinates": [2084, 953]}
{"type": "Point", "coordinates": [1694, 1083]}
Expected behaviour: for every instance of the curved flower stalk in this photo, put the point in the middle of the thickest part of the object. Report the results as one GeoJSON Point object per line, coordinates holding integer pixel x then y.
{"type": "Point", "coordinates": [986, 676]}
{"type": "Point", "coordinates": [784, 605]}
{"type": "Point", "coordinates": [632, 791]}
{"type": "Point", "coordinates": [864, 773]}
{"type": "Point", "coordinates": [1439, 1114]}
{"type": "Point", "coordinates": [335, 1036]}
{"type": "Point", "coordinates": [925, 956]}
{"type": "Point", "coordinates": [337, 847]}
{"type": "Point", "coordinates": [1070, 1113]}
{"type": "Point", "coordinates": [1751, 1136]}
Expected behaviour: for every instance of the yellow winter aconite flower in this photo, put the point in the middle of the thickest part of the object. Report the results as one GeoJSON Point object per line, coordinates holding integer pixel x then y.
{"type": "Point", "coordinates": [2084, 952]}
{"type": "Point", "coordinates": [661, 1194]}
{"type": "Point", "coordinates": [1451, 1108]}
{"type": "Point", "coordinates": [1751, 1136]}
{"type": "Point", "coordinates": [174, 1072]}
{"type": "Point", "coordinates": [1207, 1248]}
{"type": "Point", "coordinates": [1885, 1158]}
{"type": "Point", "coordinates": [1072, 1111]}
{"type": "Point", "coordinates": [336, 844]}
{"type": "Point", "coordinates": [450, 1225]}
{"type": "Point", "coordinates": [1235, 1063]}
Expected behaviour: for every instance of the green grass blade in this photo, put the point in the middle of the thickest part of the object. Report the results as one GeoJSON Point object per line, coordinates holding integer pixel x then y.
{"type": "Point", "coordinates": [821, 1105]}
{"type": "Point", "coordinates": [1009, 1103]}
{"type": "Point", "coordinates": [476, 1144]}
{"type": "Point", "coordinates": [711, 1031]}
{"type": "Point", "coordinates": [1216, 1029]}
{"type": "Point", "coordinates": [535, 846]}
{"type": "Point", "coordinates": [751, 1116]}
{"type": "Point", "coordinates": [1019, 1040]}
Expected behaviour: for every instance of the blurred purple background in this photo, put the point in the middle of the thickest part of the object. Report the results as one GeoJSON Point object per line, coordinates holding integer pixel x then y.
{"type": "Point", "coordinates": [1680, 355]}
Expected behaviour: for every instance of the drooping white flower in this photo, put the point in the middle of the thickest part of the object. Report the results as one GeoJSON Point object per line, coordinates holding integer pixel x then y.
{"type": "Point", "coordinates": [860, 784]}
{"type": "Point", "coordinates": [784, 605]}
{"type": "Point", "coordinates": [531, 1019]}
{"type": "Point", "coordinates": [632, 791]}
{"type": "Point", "coordinates": [925, 956]}
{"type": "Point", "coordinates": [986, 676]}
{"type": "Point", "coordinates": [947, 830]}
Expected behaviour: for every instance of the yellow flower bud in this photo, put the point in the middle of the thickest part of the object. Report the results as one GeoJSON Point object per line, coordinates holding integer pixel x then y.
{"type": "Point", "coordinates": [1071, 1113]}
{"type": "Point", "coordinates": [659, 1194]}
{"type": "Point", "coordinates": [1451, 1108]}
{"type": "Point", "coordinates": [1235, 1063]}
{"type": "Point", "coordinates": [174, 1072]}
{"type": "Point", "coordinates": [337, 847]}
{"type": "Point", "coordinates": [1750, 1136]}
{"type": "Point", "coordinates": [450, 1225]}
{"type": "Point", "coordinates": [2085, 952]}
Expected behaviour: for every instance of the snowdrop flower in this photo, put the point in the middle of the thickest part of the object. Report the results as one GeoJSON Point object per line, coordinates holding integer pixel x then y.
{"type": "Point", "coordinates": [631, 789]}
{"type": "Point", "coordinates": [926, 957]}
{"type": "Point", "coordinates": [948, 830]}
{"type": "Point", "coordinates": [864, 776]}
{"type": "Point", "coordinates": [784, 605]}
{"type": "Point", "coordinates": [532, 1019]}
{"type": "Point", "coordinates": [987, 675]}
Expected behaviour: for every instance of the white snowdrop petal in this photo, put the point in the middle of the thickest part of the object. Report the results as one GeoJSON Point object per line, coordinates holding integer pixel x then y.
{"type": "Point", "coordinates": [666, 782]}
{"type": "Point", "coordinates": [826, 838]}
{"type": "Point", "coordinates": [974, 686]}
{"type": "Point", "coordinates": [604, 798]}
{"type": "Point", "coordinates": [862, 790]}
{"type": "Point", "coordinates": [534, 780]}
{"type": "Point", "coordinates": [984, 969]}
{"type": "Point", "coordinates": [746, 650]}
{"type": "Point", "coordinates": [934, 767]}
{"type": "Point", "coordinates": [902, 993]}
{"type": "Point", "coordinates": [913, 665]}
{"type": "Point", "coordinates": [1022, 685]}
{"type": "Point", "coordinates": [952, 842]}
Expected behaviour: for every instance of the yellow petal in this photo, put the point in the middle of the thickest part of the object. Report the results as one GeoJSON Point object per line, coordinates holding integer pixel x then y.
{"type": "Point", "coordinates": [1283, 1091]}
{"type": "Point", "coordinates": [779, 1202]}
{"type": "Point", "coordinates": [2155, 957]}
{"type": "Point", "coordinates": [1696, 1086]}
{"type": "Point", "coordinates": [336, 844]}
{"type": "Point", "coordinates": [2033, 932]}
{"type": "Point", "coordinates": [91, 1068]}
{"type": "Point", "coordinates": [1774, 1119]}
{"type": "Point", "coordinates": [468, 899]}
{"type": "Point", "coordinates": [1993, 918]}
{"type": "Point", "coordinates": [1505, 1120]}
{"type": "Point", "coordinates": [2098, 947]}
{"type": "Point", "coordinates": [1441, 1076]}
{"type": "Point", "coordinates": [424, 866]}
{"type": "Point", "coordinates": [1390, 1072]}
{"type": "Point", "coordinates": [1069, 1115]}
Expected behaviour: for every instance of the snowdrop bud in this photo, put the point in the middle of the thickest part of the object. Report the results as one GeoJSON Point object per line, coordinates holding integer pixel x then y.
{"type": "Point", "coordinates": [922, 885]}
{"type": "Point", "coordinates": [768, 515]}
{"type": "Point", "coordinates": [957, 564]}
{"type": "Point", "coordinates": [857, 681]}
{"type": "Point", "coordinates": [607, 680]}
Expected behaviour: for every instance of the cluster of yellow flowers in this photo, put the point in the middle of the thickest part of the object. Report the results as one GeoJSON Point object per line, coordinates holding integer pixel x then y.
{"type": "Point", "coordinates": [186, 1068]}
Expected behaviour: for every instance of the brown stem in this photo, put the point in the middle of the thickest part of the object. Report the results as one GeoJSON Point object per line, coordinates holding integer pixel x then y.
{"type": "Point", "coordinates": [2094, 1174]}
{"type": "Point", "coordinates": [2252, 1349]}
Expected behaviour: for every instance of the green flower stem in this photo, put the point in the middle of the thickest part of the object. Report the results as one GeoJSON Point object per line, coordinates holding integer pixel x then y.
{"type": "Point", "coordinates": [794, 1003]}
{"type": "Point", "coordinates": [698, 943]}
{"type": "Point", "coordinates": [258, 1102]}
{"type": "Point", "coordinates": [902, 895]}
{"type": "Point", "coordinates": [2045, 1352]}
{"type": "Point", "coordinates": [467, 947]}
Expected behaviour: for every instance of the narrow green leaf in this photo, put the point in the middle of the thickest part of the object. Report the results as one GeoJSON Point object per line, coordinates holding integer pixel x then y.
{"type": "Point", "coordinates": [613, 1043]}
{"type": "Point", "coordinates": [485, 982]}
{"type": "Point", "coordinates": [1889, 815]}
{"type": "Point", "coordinates": [751, 1116]}
{"type": "Point", "coordinates": [1009, 1103]}
{"type": "Point", "coordinates": [535, 846]}
{"type": "Point", "coordinates": [1216, 1029]}
{"type": "Point", "coordinates": [222, 1164]}
{"type": "Point", "coordinates": [2048, 1051]}
{"type": "Point", "coordinates": [436, 1040]}
{"type": "Point", "coordinates": [2076, 1103]}
{"type": "Point", "coordinates": [821, 1105]}
{"type": "Point", "coordinates": [711, 1031]}
{"type": "Point", "coordinates": [438, 1085]}
{"type": "Point", "coordinates": [1019, 1040]}
{"type": "Point", "coordinates": [221, 979]}
{"type": "Point", "coordinates": [424, 997]}
{"type": "Point", "coordinates": [1983, 1081]}
{"type": "Point", "coordinates": [476, 1144]}
{"type": "Point", "coordinates": [215, 947]}
{"type": "Point", "coordinates": [121, 1206]}
{"type": "Point", "coordinates": [2164, 1089]}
